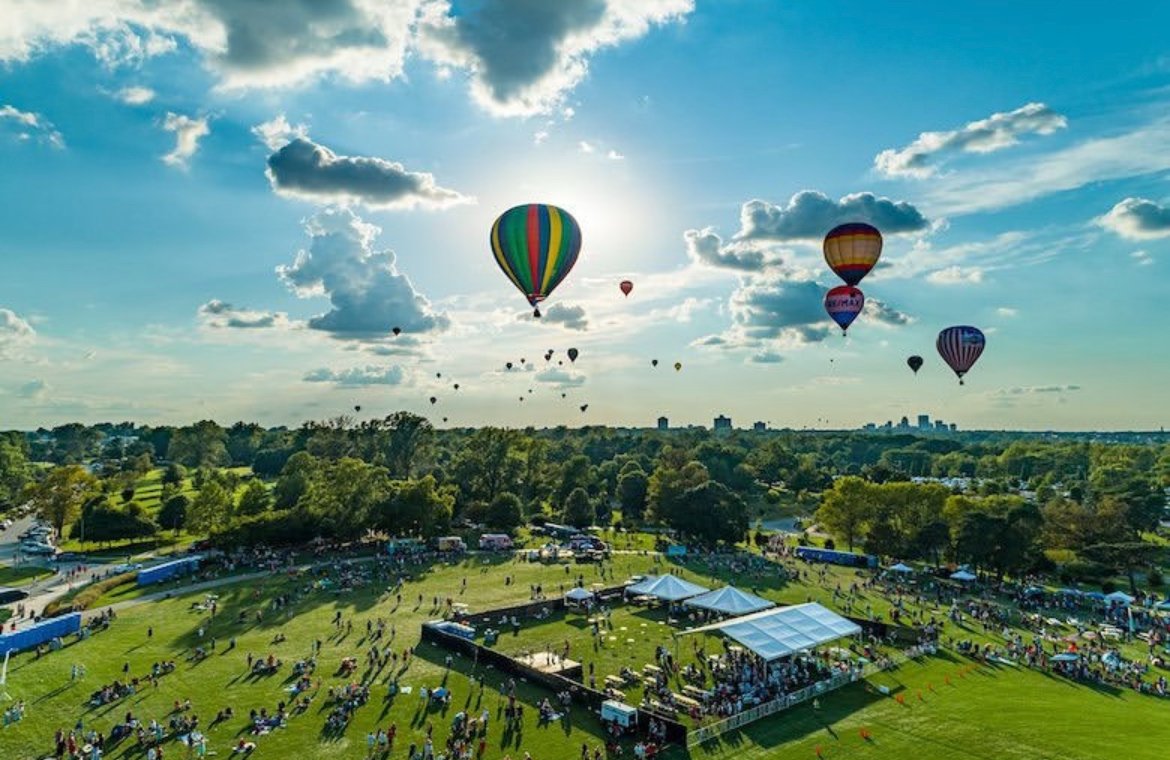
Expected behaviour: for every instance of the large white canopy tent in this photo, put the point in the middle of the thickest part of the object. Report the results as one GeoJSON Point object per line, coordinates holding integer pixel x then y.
{"type": "Point", "coordinates": [729, 601]}
{"type": "Point", "coordinates": [773, 634]}
{"type": "Point", "coordinates": [668, 588]}
{"type": "Point", "coordinates": [578, 594]}
{"type": "Point", "coordinates": [901, 567]}
{"type": "Point", "coordinates": [963, 576]}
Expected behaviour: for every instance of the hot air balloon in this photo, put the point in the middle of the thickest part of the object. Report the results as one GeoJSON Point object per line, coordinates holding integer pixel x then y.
{"type": "Point", "coordinates": [960, 347]}
{"type": "Point", "coordinates": [563, 395]}
{"type": "Point", "coordinates": [573, 354]}
{"type": "Point", "coordinates": [653, 362]}
{"type": "Point", "coordinates": [523, 360]}
{"type": "Point", "coordinates": [508, 365]}
{"type": "Point", "coordinates": [438, 374]}
{"type": "Point", "coordinates": [444, 419]}
{"type": "Point", "coordinates": [434, 399]}
{"type": "Point", "coordinates": [536, 245]}
{"type": "Point", "coordinates": [456, 386]}
{"type": "Point", "coordinates": [677, 366]}
{"type": "Point", "coordinates": [915, 363]}
{"type": "Point", "coordinates": [397, 331]}
{"type": "Point", "coordinates": [851, 250]}
{"type": "Point", "coordinates": [844, 303]}
{"type": "Point", "coordinates": [357, 407]}
{"type": "Point", "coordinates": [626, 287]}
{"type": "Point", "coordinates": [584, 407]}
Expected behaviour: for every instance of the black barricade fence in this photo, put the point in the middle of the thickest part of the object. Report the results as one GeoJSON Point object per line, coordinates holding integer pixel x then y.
{"type": "Point", "coordinates": [878, 629]}
{"type": "Point", "coordinates": [530, 609]}
{"type": "Point", "coordinates": [581, 694]}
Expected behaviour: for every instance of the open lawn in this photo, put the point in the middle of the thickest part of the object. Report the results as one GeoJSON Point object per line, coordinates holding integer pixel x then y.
{"type": "Point", "coordinates": [990, 713]}
{"type": "Point", "coordinates": [22, 575]}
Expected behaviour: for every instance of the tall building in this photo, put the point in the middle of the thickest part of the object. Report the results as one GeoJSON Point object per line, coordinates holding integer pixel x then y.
{"type": "Point", "coordinates": [924, 422]}
{"type": "Point", "coordinates": [663, 423]}
{"type": "Point", "coordinates": [940, 426]}
{"type": "Point", "coordinates": [904, 424]}
{"type": "Point", "coordinates": [722, 423]}
{"type": "Point", "coordinates": [759, 427]}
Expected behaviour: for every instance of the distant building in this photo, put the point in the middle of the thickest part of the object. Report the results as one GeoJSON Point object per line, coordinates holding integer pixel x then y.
{"type": "Point", "coordinates": [663, 423]}
{"type": "Point", "coordinates": [904, 424]}
{"type": "Point", "coordinates": [954, 427]}
{"type": "Point", "coordinates": [940, 426]}
{"type": "Point", "coordinates": [870, 426]}
{"type": "Point", "coordinates": [722, 423]}
{"type": "Point", "coordinates": [924, 422]}
{"type": "Point", "coordinates": [759, 427]}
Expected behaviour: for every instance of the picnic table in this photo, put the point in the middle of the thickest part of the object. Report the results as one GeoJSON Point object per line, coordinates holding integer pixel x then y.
{"type": "Point", "coordinates": [696, 693]}
{"type": "Point", "coordinates": [652, 670]}
{"type": "Point", "coordinates": [686, 701]}
{"type": "Point", "coordinates": [615, 681]}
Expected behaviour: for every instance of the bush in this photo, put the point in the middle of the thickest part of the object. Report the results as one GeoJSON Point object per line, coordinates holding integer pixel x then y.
{"type": "Point", "coordinates": [1154, 577]}
{"type": "Point", "coordinates": [1082, 570]}
{"type": "Point", "coordinates": [539, 520]}
{"type": "Point", "coordinates": [1108, 587]}
{"type": "Point", "coordinates": [772, 496]}
{"type": "Point", "coordinates": [286, 528]}
{"type": "Point", "coordinates": [85, 598]}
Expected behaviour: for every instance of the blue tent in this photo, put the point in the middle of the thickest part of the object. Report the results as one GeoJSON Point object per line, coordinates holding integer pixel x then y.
{"type": "Point", "coordinates": [46, 630]}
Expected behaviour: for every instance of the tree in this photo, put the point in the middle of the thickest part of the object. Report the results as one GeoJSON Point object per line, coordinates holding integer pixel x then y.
{"type": "Point", "coordinates": [173, 513]}
{"type": "Point", "coordinates": [295, 478]}
{"type": "Point", "coordinates": [673, 477]}
{"type": "Point", "coordinates": [709, 512]}
{"type": "Point", "coordinates": [633, 485]}
{"type": "Point", "coordinates": [59, 497]}
{"type": "Point", "coordinates": [415, 507]}
{"type": "Point", "coordinates": [344, 494]}
{"type": "Point", "coordinates": [931, 539]}
{"type": "Point", "coordinates": [128, 493]}
{"type": "Point", "coordinates": [210, 510]}
{"type": "Point", "coordinates": [504, 513]}
{"type": "Point", "coordinates": [846, 508]}
{"type": "Point", "coordinates": [578, 510]}
{"type": "Point", "coordinates": [203, 444]}
{"type": "Point", "coordinates": [255, 499]}
{"type": "Point", "coordinates": [174, 475]}
{"type": "Point", "coordinates": [14, 467]}
{"type": "Point", "coordinates": [408, 437]}
{"type": "Point", "coordinates": [103, 523]}
{"type": "Point", "coordinates": [1124, 558]}
{"type": "Point", "coordinates": [576, 473]}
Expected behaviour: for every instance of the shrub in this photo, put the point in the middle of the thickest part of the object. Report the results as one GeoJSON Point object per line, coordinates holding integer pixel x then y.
{"type": "Point", "coordinates": [1108, 587]}
{"type": "Point", "coordinates": [1154, 577]}
{"type": "Point", "coordinates": [85, 598]}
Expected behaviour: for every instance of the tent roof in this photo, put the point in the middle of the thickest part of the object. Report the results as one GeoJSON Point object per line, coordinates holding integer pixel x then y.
{"type": "Point", "coordinates": [1119, 596]}
{"type": "Point", "coordinates": [578, 594]}
{"type": "Point", "coordinates": [773, 634]}
{"type": "Point", "coordinates": [902, 567]}
{"type": "Point", "coordinates": [963, 575]}
{"type": "Point", "coordinates": [666, 587]}
{"type": "Point", "coordinates": [730, 601]}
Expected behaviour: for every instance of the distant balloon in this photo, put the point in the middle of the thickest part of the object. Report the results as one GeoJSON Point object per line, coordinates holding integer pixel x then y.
{"type": "Point", "coordinates": [530, 390]}
{"type": "Point", "coordinates": [397, 331]}
{"type": "Point", "coordinates": [434, 399]}
{"type": "Point", "coordinates": [573, 354]}
{"type": "Point", "coordinates": [852, 250]}
{"type": "Point", "coordinates": [677, 366]}
{"type": "Point", "coordinates": [915, 363]}
{"type": "Point", "coordinates": [960, 347]}
{"type": "Point", "coordinates": [844, 303]}
{"type": "Point", "coordinates": [653, 362]}
{"type": "Point", "coordinates": [536, 245]}
{"type": "Point", "coordinates": [584, 407]}
{"type": "Point", "coordinates": [523, 360]}
{"type": "Point", "coordinates": [444, 419]}
{"type": "Point", "coordinates": [438, 374]}
{"type": "Point", "coordinates": [560, 363]}
{"type": "Point", "coordinates": [508, 365]}
{"type": "Point", "coordinates": [456, 386]}
{"type": "Point", "coordinates": [521, 398]}
{"type": "Point", "coordinates": [626, 287]}
{"type": "Point", "coordinates": [563, 395]}
{"type": "Point", "coordinates": [357, 408]}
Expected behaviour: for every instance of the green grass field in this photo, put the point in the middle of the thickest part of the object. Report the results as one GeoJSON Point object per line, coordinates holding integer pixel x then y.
{"type": "Point", "coordinates": [986, 713]}
{"type": "Point", "coordinates": [22, 575]}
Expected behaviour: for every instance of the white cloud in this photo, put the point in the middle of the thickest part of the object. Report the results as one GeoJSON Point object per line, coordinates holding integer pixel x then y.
{"type": "Point", "coordinates": [570, 317]}
{"type": "Point", "coordinates": [1142, 258]}
{"type": "Point", "coordinates": [524, 56]}
{"type": "Point", "coordinates": [30, 126]}
{"type": "Point", "coordinates": [34, 390]}
{"type": "Point", "coordinates": [358, 376]}
{"type": "Point", "coordinates": [303, 169]}
{"type": "Point", "coordinates": [586, 147]}
{"type": "Point", "coordinates": [369, 296]}
{"type": "Point", "coordinates": [808, 215]}
{"type": "Point", "coordinates": [1137, 219]}
{"type": "Point", "coordinates": [1007, 311]}
{"type": "Point", "coordinates": [188, 132]}
{"type": "Point", "coordinates": [956, 275]}
{"type": "Point", "coordinates": [15, 332]}
{"type": "Point", "coordinates": [919, 159]}
{"type": "Point", "coordinates": [277, 132]}
{"type": "Point", "coordinates": [1142, 151]}
{"type": "Point", "coordinates": [766, 356]}
{"type": "Point", "coordinates": [560, 378]}
{"type": "Point", "coordinates": [613, 155]}
{"type": "Point", "coordinates": [221, 315]}
{"type": "Point", "coordinates": [539, 136]}
{"type": "Point", "coordinates": [135, 96]}
{"type": "Point", "coordinates": [706, 247]}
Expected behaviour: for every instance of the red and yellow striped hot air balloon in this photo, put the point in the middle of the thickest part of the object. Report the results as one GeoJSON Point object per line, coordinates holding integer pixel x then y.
{"type": "Point", "coordinates": [851, 250]}
{"type": "Point", "coordinates": [536, 245]}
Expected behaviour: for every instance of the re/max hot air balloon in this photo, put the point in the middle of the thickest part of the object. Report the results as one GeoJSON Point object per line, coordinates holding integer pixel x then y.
{"type": "Point", "coordinates": [960, 347]}
{"type": "Point", "coordinates": [915, 363]}
{"type": "Point", "coordinates": [627, 287]}
{"type": "Point", "coordinates": [851, 250]}
{"type": "Point", "coordinates": [844, 303]}
{"type": "Point", "coordinates": [573, 354]}
{"type": "Point", "coordinates": [536, 245]}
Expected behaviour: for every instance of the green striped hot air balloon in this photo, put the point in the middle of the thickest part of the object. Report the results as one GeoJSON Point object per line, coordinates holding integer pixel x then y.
{"type": "Point", "coordinates": [536, 245]}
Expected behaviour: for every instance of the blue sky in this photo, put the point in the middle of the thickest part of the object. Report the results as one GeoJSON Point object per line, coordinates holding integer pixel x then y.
{"type": "Point", "coordinates": [218, 209]}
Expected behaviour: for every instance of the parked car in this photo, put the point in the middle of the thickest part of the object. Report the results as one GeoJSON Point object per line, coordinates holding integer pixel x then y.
{"type": "Point", "coordinates": [38, 549]}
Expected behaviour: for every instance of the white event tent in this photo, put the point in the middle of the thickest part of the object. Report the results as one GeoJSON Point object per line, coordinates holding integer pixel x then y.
{"type": "Point", "coordinates": [729, 601]}
{"type": "Point", "coordinates": [668, 588]}
{"type": "Point", "coordinates": [773, 634]}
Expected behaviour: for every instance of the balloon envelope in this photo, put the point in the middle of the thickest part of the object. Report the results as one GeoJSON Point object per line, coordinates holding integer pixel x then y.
{"type": "Point", "coordinates": [508, 365]}
{"type": "Point", "coordinates": [653, 362]}
{"type": "Point", "coordinates": [626, 287]}
{"type": "Point", "coordinates": [960, 347]}
{"type": "Point", "coordinates": [573, 354]}
{"type": "Point", "coordinates": [397, 331]}
{"type": "Point", "coordinates": [536, 245]}
{"type": "Point", "coordinates": [915, 363]}
{"type": "Point", "coordinates": [851, 250]}
{"type": "Point", "coordinates": [844, 303]}
{"type": "Point", "coordinates": [433, 399]}
{"type": "Point", "coordinates": [677, 366]}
